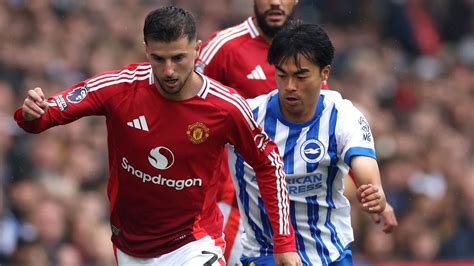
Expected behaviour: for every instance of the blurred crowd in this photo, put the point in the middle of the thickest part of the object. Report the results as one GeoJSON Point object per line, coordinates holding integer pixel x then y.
{"type": "Point", "coordinates": [409, 65]}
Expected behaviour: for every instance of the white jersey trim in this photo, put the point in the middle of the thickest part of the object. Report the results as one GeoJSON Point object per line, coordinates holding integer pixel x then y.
{"type": "Point", "coordinates": [142, 72]}
{"type": "Point", "coordinates": [234, 101]}
{"type": "Point", "coordinates": [124, 76]}
{"type": "Point", "coordinates": [252, 28]}
{"type": "Point", "coordinates": [222, 38]}
{"type": "Point", "coordinates": [129, 71]}
{"type": "Point", "coordinates": [205, 87]}
{"type": "Point", "coordinates": [282, 194]}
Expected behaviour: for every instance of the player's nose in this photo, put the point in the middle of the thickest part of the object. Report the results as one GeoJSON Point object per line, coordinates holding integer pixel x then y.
{"type": "Point", "coordinates": [275, 2]}
{"type": "Point", "coordinates": [290, 85]}
{"type": "Point", "coordinates": [169, 68]}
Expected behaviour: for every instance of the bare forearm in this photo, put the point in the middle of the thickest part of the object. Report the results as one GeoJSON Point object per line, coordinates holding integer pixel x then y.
{"type": "Point", "coordinates": [370, 192]}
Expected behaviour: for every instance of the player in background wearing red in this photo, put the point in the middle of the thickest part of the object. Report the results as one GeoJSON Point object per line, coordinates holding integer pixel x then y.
{"type": "Point", "coordinates": [167, 128]}
{"type": "Point", "coordinates": [237, 57]}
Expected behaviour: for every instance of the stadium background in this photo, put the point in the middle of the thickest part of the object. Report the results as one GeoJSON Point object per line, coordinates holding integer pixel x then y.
{"type": "Point", "coordinates": [409, 65]}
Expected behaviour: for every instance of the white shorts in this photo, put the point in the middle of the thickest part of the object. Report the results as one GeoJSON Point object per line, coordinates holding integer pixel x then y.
{"type": "Point", "coordinates": [205, 251]}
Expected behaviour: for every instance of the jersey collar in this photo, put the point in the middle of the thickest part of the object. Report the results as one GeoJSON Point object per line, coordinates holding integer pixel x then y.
{"type": "Point", "coordinates": [252, 28]}
{"type": "Point", "coordinates": [274, 107]}
{"type": "Point", "coordinates": [205, 86]}
{"type": "Point", "coordinates": [202, 92]}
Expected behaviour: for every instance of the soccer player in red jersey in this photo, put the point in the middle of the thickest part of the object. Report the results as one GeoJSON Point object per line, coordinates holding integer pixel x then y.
{"type": "Point", "coordinates": [237, 57]}
{"type": "Point", "coordinates": [167, 128]}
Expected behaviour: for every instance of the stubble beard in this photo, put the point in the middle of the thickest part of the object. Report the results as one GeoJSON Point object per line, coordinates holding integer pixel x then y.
{"type": "Point", "coordinates": [180, 86]}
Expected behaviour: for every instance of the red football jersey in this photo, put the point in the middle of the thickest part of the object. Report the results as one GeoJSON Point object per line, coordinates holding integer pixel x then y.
{"type": "Point", "coordinates": [237, 57]}
{"type": "Point", "coordinates": [163, 156]}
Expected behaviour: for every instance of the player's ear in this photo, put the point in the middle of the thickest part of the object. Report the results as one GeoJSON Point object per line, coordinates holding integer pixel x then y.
{"type": "Point", "coordinates": [145, 46]}
{"type": "Point", "coordinates": [197, 47]}
{"type": "Point", "coordinates": [325, 72]}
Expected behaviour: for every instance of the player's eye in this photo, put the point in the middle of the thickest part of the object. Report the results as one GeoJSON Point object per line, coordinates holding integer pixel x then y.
{"type": "Point", "coordinates": [158, 59]}
{"type": "Point", "coordinates": [281, 74]}
{"type": "Point", "coordinates": [178, 58]}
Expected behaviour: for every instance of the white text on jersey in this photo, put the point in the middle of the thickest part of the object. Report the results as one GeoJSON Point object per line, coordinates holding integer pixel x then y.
{"type": "Point", "coordinates": [159, 180]}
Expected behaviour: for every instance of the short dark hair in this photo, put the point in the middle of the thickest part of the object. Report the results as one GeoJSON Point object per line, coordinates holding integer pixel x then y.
{"type": "Point", "coordinates": [169, 24]}
{"type": "Point", "coordinates": [309, 40]}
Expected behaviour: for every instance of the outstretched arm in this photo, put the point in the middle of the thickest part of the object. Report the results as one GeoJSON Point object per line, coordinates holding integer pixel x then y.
{"type": "Point", "coordinates": [370, 192]}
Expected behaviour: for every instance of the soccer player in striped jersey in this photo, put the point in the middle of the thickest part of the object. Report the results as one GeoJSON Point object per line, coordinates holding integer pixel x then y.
{"type": "Point", "coordinates": [237, 57]}
{"type": "Point", "coordinates": [167, 128]}
{"type": "Point", "coordinates": [320, 136]}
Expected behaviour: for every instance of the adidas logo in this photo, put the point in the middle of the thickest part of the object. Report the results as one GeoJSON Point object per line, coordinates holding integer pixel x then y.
{"type": "Point", "coordinates": [257, 73]}
{"type": "Point", "coordinates": [139, 123]}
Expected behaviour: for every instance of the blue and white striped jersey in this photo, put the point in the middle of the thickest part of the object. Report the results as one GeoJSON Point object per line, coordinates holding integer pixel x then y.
{"type": "Point", "coordinates": [316, 158]}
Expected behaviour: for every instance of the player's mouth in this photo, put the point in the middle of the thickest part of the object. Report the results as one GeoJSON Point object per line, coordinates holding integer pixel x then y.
{"type": "Point", "coordinates": [275, 16]}
{"type": "Point", "coordinates": [292, 101]}
{"type": "Point", "coordinates": [171, 83]}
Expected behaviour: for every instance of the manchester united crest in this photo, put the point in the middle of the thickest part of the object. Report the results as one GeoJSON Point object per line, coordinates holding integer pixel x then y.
{"type": "Point", "coordinates": [197, 133]}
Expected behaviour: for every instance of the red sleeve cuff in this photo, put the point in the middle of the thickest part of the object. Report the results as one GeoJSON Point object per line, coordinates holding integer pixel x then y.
{"type": "Point", "coordinates": [284, 249]}
{"type": "Point", "coordinates": [284, 244]}
{"type": "Point", "coordinates": [18, 116]}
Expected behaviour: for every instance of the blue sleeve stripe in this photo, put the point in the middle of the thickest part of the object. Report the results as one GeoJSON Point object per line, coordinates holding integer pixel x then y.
{"type": "Point", "coordinates": [358, 151]}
